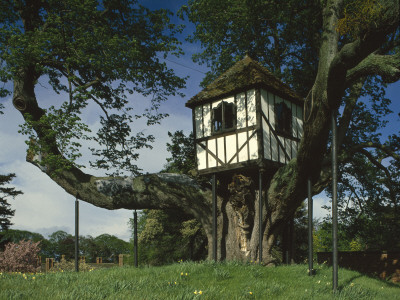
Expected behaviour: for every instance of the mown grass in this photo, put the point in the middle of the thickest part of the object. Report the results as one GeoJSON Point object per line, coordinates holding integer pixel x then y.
{"type": "Point", "coordinates": [206, 280]}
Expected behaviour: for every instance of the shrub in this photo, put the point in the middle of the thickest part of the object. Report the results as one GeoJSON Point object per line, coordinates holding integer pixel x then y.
{"type": "Point", "coordinates": [65, 265]}
{"type": "Point", "coordinates": [20, 257]}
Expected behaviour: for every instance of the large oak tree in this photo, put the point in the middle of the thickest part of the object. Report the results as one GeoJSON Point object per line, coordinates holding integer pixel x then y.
{"type": "Point", "coordinates": [96, 51]}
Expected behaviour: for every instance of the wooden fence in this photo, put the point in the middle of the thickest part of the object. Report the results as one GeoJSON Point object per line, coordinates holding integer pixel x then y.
{"type": "Point", "coordinates": [385, 265]}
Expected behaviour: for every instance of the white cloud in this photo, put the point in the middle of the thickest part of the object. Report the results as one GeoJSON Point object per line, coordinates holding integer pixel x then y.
{"type": "Point", "coordinates": [319, 201]}
{"type": "Point", "coordinates": [45, 207]}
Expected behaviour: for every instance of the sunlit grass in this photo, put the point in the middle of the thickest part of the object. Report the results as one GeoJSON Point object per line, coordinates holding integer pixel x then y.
{"type": "Point", "coordinates": [187, 280]}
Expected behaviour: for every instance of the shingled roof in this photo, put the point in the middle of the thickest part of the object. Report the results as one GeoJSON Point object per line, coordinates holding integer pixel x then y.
{"type": "Point", "coordinates": [246, 73]}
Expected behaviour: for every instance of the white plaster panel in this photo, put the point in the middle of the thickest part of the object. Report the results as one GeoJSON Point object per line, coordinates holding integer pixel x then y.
{"type": "Point", "coordinates": [300, 121]}
{"type": "Point", "coordinates": [241, 110]}
{"type": "Point", "coordinates": [231, 148]}
{"type": "Point", "coordinates": [274, 148]}
{"type": "Point", "coordinates": [201, 158]}
{"type": "Point", "coordinates": [242, 138]}
{"type": "Point", "coordinates": [253, 146]}
{"type": "Point", "coordinates": [294, 149]}
{"type": "Point", "coordinates": [221, 150]}
{"type": "Point", "coordinates": [212, 147]}
{"type": "Point", "coordinates": [215, 103]}
{"type": "Point", "coordinates": [266, 141]}
{"type": "Point", "coordinates": [288, 148]}
{"type": "Point", "coordinates": [207, 119]}
{"type": "Point", "coordinates": [271, 116]}
{"type": "Point", "coordinates": [264, 102]}
{"type": "Point", "coordinates": [229, 100]}
{"type": "Point", "coordinates": [281, 151]}
{"type": "Point", "coordinates": [251, 107]}
{"type": "Point", "coordinates": [198, 121]}
{"type": "Point", "coordinates": [278, 99]}
{"type": "Point", "coordinates": [294, 120]}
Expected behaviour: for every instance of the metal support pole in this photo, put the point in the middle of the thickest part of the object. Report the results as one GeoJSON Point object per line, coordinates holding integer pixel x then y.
{"type": "Point", "coordinates": [310, 229]}
{"type": "Point", "coordinates": [260, 215]}
{"type": "Point", "coordinates": [135, 237]}
{"type": "Point", "coordinates": [214, 212]}
{"type": "Point", "coordinates": [76, 234]}
{"type": "Point", "coordinates": [334, 205]}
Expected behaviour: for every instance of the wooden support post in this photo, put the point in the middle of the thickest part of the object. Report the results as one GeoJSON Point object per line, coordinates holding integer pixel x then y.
{"type": "Point", "coordinates": [121, 260]}
{"type": "Point", "coordinates": [39, 261]}
{"type": "Point", "coordinates": [260, 216]}
{"type": "Point", "coordinates": [310, 229]}
{"type": "Point", "coordinates": [135, 237]}
{"type": "Point", "coordinates": [214, 212]}
{"type": "Point", "coordinates": [49, 264]}
{"type": "Point", "coordinates": [334, 205]}
{"type": "Point", "coordinates": [76, 234]}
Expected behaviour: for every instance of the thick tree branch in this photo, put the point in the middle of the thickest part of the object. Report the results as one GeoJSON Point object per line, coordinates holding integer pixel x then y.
{"type": "Point", "coordinates": [388, 150]}
{"type": "Point", "coordinates": [355, 52]}
{"type": "Point", "coordinates": [386, 66]}
{"type": "Point", "coordinates": [351, 103]}
{"type": "Point", "coordinates": [389, 181]}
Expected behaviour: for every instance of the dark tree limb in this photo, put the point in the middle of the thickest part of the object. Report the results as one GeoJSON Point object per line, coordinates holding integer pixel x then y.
{"type": "Point", "coordinates": [386, 66]}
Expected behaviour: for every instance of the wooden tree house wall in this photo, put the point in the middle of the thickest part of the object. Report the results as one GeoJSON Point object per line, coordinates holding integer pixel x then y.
{"type": "Point", "coordinates": [247, 118]}
{"type": "Point", "coordinates": [257, 115]}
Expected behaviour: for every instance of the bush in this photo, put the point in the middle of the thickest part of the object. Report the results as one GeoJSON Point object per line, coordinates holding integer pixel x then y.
{"type": "Point", "coordinates": [20, 257]}
{"type": "Point", "coordinates": [65, 265]}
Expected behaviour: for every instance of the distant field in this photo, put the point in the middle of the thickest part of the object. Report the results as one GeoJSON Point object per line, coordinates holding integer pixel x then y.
{"type": "Point", "coordinates": [206, 280]}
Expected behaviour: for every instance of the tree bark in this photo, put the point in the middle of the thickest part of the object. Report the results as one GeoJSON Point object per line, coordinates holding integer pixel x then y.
{"type": "Point", "coordinates": [285, 189]}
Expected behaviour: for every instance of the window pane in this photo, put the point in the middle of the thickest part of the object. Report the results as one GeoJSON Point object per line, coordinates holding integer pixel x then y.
{"type": "Point", "coordinates": [230, 115]}
{"type": "Point", "coordinates": [217, 118]}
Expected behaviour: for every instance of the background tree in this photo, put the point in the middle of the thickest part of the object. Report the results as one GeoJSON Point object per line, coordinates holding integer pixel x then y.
{"type": "Point", "coordinates": [166, 236]}
{"type": "Point", "coordinates": [95, 51]}
{"type": "Point", "coordinates": [109, 247]}
{"type": "Point", "coordinates": [61, 243]}
{"type": "Point", "coordinates": [6, 213]}
{"type": "Point", "coordinates": [15, 235]}
{"type": "Point", "coordinates": [346, 51]}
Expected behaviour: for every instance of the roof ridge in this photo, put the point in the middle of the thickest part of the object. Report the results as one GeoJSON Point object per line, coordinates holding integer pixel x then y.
{"type": "Point", "coordinates": [240, 76]}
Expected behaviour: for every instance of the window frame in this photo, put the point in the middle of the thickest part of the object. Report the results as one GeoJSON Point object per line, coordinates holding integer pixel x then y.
{"type": "Point", "coordinates": [283, 119]}
{"type": "Point", "coordinates": [224, 116]}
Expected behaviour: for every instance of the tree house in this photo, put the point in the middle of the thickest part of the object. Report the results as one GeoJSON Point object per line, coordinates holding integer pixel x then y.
{"type": "Point", "coordinates": [246, 119]}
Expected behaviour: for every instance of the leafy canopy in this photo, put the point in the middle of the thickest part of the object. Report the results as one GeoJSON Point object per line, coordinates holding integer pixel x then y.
{"type": "Point", "coordinates": [6, 213]}
{"type": "Point", "coordinates": [93, 52]}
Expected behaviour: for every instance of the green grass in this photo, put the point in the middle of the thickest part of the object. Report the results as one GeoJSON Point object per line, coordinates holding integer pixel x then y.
{"type": "Point", "coordinates": [180, 281]}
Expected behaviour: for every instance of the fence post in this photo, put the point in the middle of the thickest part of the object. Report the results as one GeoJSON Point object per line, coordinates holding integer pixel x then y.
{"type": "Point", "coordinates": [76, 233]}
{"type": "Point", "coordinates": [121, 260]}
{"type": "Point", "coordinates": [39, 261]}
{"type": "Point", "coordinates": [47, 264]}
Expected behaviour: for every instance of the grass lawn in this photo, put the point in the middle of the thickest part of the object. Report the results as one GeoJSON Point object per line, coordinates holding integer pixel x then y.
{"type": "Point", "coordinates": [188, 280]}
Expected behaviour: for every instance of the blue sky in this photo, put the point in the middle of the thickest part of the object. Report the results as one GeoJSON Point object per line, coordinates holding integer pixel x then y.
{"type": "Point", "coordinates": [45, 207]}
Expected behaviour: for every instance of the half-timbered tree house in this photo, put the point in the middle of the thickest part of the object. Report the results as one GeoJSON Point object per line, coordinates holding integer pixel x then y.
{"type": "Point", "coordinates": [246, 118]}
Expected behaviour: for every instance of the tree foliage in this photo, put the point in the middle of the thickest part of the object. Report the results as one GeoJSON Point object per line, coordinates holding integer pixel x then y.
{"type": "Point", "coordinates": [96, 53]}
{"type": "Point", "coordinates": [304, 43]}
{"type": "Point", "coordinates": [167, 236]}
{"type": "Point", "coordinates": [96, 50]}
{"type": "Point", "coordinates": [183, 156]}
{"type": "Point", "coordinates": [6, 213]}
{"type": "Point", "coordinates": [62, 243]}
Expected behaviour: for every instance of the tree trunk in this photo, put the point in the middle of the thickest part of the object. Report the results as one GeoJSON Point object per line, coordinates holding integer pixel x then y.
{"type": "Point", "coordinates": [285, 188]}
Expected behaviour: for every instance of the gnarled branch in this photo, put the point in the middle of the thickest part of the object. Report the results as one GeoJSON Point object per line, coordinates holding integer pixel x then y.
{"type": "Point", "coordinates": [386, 66]}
